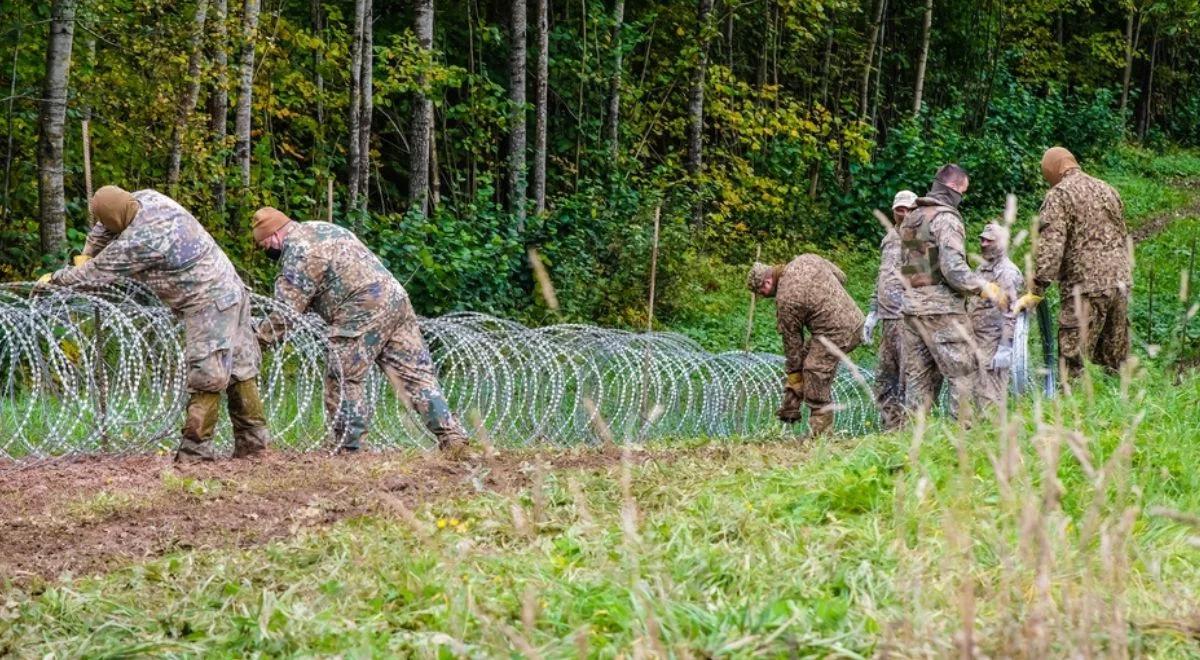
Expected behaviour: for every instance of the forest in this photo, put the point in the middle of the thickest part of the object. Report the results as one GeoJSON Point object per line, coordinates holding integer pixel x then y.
{"type": "Point", "coordinates": [454, 135]}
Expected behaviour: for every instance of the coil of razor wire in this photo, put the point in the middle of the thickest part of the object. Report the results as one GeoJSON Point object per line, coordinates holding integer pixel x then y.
{"type": "Point", "coordinates": [101, 370]}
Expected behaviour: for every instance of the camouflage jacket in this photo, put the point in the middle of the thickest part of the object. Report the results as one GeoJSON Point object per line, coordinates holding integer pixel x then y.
{"type": "Point", "coordinates": [1082, 239]}
{"type": "Point", "coordinates": [810, 295]}
{"type": "Point", "coordinates": [888, 297]}
{"type": "Point", "coordinates": [325, 269]}
{"type": "Point", "coordinates": [165, 248]}
{"type": "Point", "coordinates": [987, 319]}
{"type": "Point", "coordinates": [947, 234]}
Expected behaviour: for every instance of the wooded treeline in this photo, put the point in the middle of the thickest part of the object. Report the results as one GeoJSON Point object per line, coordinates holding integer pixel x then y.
{"type": "Point", "coordinates": [454, 134]}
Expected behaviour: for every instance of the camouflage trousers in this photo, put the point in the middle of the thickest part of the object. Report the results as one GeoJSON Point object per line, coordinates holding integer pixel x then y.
{"type": "Point", "coordinates": [819, 367]}
{"type": "Point", "coordinates": [938, 349]}
{"type": "Point", "coordinates": [889, 375]}
{"type": "Point", "coordinates": [1095, 325]}
{"type": "Point", "coordinates": [991, 385]}
{"type": "Point", "coordinates": [394, 343]}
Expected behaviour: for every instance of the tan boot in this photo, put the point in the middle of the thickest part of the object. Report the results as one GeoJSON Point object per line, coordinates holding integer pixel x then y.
{"type": "Point", "coordinates": [250, 435]}
{"type": "Point", "coordinates": [199, 422]}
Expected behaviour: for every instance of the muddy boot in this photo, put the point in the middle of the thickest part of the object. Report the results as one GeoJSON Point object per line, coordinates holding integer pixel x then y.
{"type": "Point", "coordinates": [819, 424]}
{"type": "Point", "coordinates": [455, 445]}
{"type": "Point", "coordinates": [250, 435]}
{"type": "Point", "coordinates": [199, 422]}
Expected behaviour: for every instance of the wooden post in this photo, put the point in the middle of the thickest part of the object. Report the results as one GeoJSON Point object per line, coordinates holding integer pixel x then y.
{"type": "Point", "coordinates": [1150, 313]}
{"type": "Point", "coordinates": [653, 269]}
{"type": "Point", "coordinates": [753, 300]}
{"type": "Point", "coordinates": [329, 200]}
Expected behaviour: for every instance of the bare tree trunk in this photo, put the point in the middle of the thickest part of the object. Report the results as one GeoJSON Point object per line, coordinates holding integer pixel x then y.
{"type": "Point", "coordinates": [246, 90]}
{"type": "Point", "coordinates": [422, 126]}
{"type": "Point", "coordinates": [1129, 47]}
{"type": "Point", "coordinates": [614, 88]}
{"type": "Point", "coordinates": [1148, 101]}
{"type": "Point", "coordinates": [825, 62]}
{"type": "Point", "coordinates": [219, 101]}
{"type": "Point", "coordinates": [923, 58]}
{"type": "Point", "coordinates": [354, 166]}
{"type": "Point", "coordinates": [85, 128]}
{"type": "Point", "coordinates": [365, 115]}
{"type": "Point", "coordinates": [695, 154]}
{"type": "Point", "coordinates": [541, 87]}
{"type": "Point", "coordinates": [435, 180]}
{"type": "Point", "coordinates": [5, 202]}
{"type": "Point", "coordinates": [52, 119]}
{"type": "Point", "coordinates": [869, 59]}
{"type": "Point", "coordinates": [319, 160]}
{"type": "Point", "coordinates": [188, 102]}
{"type": "Point", "coordinates": [516, 101]}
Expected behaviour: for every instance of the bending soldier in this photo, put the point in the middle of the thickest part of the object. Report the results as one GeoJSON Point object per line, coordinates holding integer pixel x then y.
{"type": "Point", "coordinates": [885, 306]}
{"type": "Point", "coordinates": [325, 269]}
{"type": "Point", "coordinates": [937, 331]}
{"type": "Point", "coordinates": [1083, 245]}
{"type": "Point", "coordinates": [810, 296]}
{"type": "Point", "coordinates": [993, 326]}
{"type": "Point", "coordinates": [150, 238]}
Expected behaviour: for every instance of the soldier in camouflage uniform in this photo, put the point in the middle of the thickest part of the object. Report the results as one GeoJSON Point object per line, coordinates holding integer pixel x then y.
{"type": "Point", "coordinates": [993, 326]}
{"type": "Point", "coordinates": [1083, 245]}
{"type": "Point", "coordinates": [810, 296]}
{"type": "Point", "coordinates": [148, 237]}
{"type": "Point", "coordinates": [885, 306]}
{"type": "Point", "coordinates": [937, 332]}
{"type": "Point", "coordinates": [325, 269]}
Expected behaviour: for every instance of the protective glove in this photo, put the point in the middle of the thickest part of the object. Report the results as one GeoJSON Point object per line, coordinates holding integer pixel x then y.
{"type": "Point", "coordinates": [79, 260]}
{"type": "Point", "coordinates": [793, 399]}
{"type": "Point", "coordinates": [992, 292]}
{"type": "Point", "coordinates": [1002, 360]}
{"type": "Point", "coordinates": [1027, 301]}
{"type": "Point", "coordinates": [44, 279]}
{"type": "Point", "coordinates": [868, 332]}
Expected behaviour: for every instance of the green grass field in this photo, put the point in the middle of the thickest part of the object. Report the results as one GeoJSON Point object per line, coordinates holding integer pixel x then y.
{"type": "Point", "coordinates": [1070, 527]}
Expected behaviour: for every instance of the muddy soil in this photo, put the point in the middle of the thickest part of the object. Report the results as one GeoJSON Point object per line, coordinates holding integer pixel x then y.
{"type": "Point", "coordinates": [92, 515]}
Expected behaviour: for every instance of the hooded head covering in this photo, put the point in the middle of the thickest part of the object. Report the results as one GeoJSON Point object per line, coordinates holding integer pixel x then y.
{"type": "Point", "coordinates": [266, 222]}
{"type": "Point", "coordinates": [905, 199]}
{"type": "Point", "coordinates": [759, 273]}
{"type": "Point", "coordinates": [998, 235]}
{"type": "Point", "coordinates": [115, 208]}
{"type": "Point", "coordinates": [1056, 162]}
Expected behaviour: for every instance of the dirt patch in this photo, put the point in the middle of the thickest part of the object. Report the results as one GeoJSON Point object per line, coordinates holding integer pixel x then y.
{"type": "Point", "coordinates": [1155, 226]}
{"type": "Point", "coordinates": [95, 514]}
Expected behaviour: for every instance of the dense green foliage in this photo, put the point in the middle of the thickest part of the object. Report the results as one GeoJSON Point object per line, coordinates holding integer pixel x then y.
{"type": "Point", "coordinates": [793, 158]}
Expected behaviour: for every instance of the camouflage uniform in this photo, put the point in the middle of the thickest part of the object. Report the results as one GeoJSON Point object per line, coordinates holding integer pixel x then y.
{"type": "Point", "coordinates": [887, 302]}
{"type": "Point", "coordinates": [810, 295]}
{"type": "Point", "coordinates": [993, 326]}
{"type": "Point", "coordinates": [1083, 245]}
{"type": "Point", "coordinates": [166, 249]}
{"type": "Point", "coordinates": [937, 331]}
{"type": "Point", "coordinates": [327, 270]}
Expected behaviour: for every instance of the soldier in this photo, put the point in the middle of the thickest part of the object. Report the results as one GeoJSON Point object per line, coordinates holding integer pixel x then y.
{"type": "Point", "coordinates": [326, 269]}
{"type": "Point", "coordinates": [1084, 246]}
{"type": "Point", "coordinates": [993, 326]}
{"type": "Point", "coordinates": [810, 295]}
{"type": "Point", "coordinates": [937, 331]}
{"type": "Point", "coordinates": [150, 238]}
{"type": "Point", "coordinates": [885, 306]}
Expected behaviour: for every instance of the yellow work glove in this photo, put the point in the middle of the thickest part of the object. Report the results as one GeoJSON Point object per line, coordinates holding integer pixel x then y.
{"type": "Point", "coordinates": [79, 260]}
{"type": "Point", "coordinates": [992, 291]}
{"type": "Point", "coordinates": [1027, 301]}
{"type": "Point", "coordinates": [44, 279]}
{"type": "Point", "coordinates": [795, 381]}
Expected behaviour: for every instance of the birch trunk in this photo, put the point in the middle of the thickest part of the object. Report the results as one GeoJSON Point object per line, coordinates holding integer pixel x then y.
{"type": "Point", "coordinates": [245, 90]}
{"type": "Point", "coordinates": [52, 116]}
{"type": "Point", "coordinates": [864, 87]}
{"type": "Point", "coordinates": [422, 123]}
{"type": "Point", "coordinates": [541, 88]}
{"type": "Point", "coordinates": [516, 101]}
{"type": "Point", "coordinates": [192, 94]}
{"type": "Point", "coordinates": [614, 87]}
{"type": "Point", "coordinates": [923, 58]}
{"type": "Point", "coordinates": [354, 166]}
{"type": "Point", "coordinates": [695, 156]}
{"type": "Point", "coordinates": [219, 101]}
{"type": "Point", "coordinates": [365, 114]}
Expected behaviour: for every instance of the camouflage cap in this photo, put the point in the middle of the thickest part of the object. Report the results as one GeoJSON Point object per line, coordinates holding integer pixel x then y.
{"type": "Point", "coordinates": [904, 198]}
{"type": "Point", "coordinates": [759, 273]}
{"type": "Point", "coordinates": [994, 232]}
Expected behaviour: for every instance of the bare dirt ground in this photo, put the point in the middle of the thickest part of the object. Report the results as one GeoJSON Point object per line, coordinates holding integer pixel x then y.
{"type": "Point", "coordinates": [92, 515]}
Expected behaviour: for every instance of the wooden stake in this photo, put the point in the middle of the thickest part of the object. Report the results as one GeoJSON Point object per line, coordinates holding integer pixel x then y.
{"type": "Point", "coordinates": [753, 300]}
{"type": "Point", "coordinates": [329, 200]}
{"type": "Point", "coordinates": [653, 269]}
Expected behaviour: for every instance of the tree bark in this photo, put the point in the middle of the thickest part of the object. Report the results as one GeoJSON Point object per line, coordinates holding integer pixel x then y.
{"type": "Point", "coordinates": [6, 203]}
{"type": "Point", "coordinates": [516, 101]}
{"type": "Point", "coordinates": [613, 125]}
{"type": "Point", "coordinates": [319, 160]}
{"type": "Point", "coordinates": [245, 90]}
{"type": "Point", "coordinates": [52, 120]}
{"type": "Point", "coordinates": [695, 154]}
{"type": "Point", "coordinates": [219, 101]}
{"type": "Point", "coordinates": [188, 101]}
{"type": "Point", "coordinates": [865, 85]}
{"type": "Point", "coordinates": [540, 93]}
{"type": "Point", "coordinates": [1128, 60]}
{"type": "Point", "coordinates": [1148, 100]}
{"type": "Point", "coordinates": [422, 126]}
{"type": "Point", "coordinates": [354, 166]}
{"type": "Point", "coordinates": [923, 58]}
{"type": "Point", "coordinates": [368, 105]}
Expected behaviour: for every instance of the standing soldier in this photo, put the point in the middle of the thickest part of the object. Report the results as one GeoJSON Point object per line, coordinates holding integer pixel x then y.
{"type": "Point", "coordinates": [327, 270]}
{"type": "Point", "coordinates": [993, 326]}
{"type": "Point", "coordinates": [937, 331]}
{"type": "Point", "coordinates": [1084, 246]}
{"type": "Point", "coordinates": [886, 306]}
{"type": "Point", "coordinates": [150, 238]}
{"type": "Point", "coordinates": [810, 295]}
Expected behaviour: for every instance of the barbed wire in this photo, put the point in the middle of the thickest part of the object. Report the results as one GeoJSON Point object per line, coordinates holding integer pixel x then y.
{"type": "Point", "coordinates": [100, 370]}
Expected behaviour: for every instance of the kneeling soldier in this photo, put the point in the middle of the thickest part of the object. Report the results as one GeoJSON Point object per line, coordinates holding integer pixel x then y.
{"type": "Point", "coordinates": [993, 325]}
{"type": "Point", "coordinates": [810, 296]}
